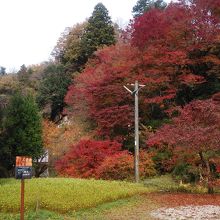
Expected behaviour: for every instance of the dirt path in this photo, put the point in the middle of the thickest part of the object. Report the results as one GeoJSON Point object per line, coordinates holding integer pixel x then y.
{"type": "Point", "coordinates": [150, 202]}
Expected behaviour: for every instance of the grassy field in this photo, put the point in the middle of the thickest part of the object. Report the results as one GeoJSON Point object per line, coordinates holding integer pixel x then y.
{"type": "Point", "coordinates": [69, 199]}
{"type": "Point", "coordinates": [101, 212]}
{"type": "Point", "coordinates": [63, 195]}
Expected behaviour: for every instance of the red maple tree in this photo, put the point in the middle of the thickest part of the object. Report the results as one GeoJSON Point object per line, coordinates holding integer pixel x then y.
{"type": "Point", "coordinates": [196, 131]}
{"type": "Point", "coordinates": [159, 52]}
{"type": "Point", "coordinates": [100, 90]}
{"type": "Point", "coordinates": [171, 42]}
{"type": "Point", "coordinates": [84, 158]}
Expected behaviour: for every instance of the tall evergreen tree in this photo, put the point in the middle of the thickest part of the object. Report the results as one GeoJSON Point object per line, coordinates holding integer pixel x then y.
{"type": "Point", "coordinates": [22, 129]}
{"type": "Point", "coordinates": [98, 33]}
{"type": "Point", "coordinates": [145, 5]}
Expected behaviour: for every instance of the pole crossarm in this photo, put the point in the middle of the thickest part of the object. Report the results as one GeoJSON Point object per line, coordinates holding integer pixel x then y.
{"type": "Point", "coordinates": [135, 90]}
{"type": "Point", "coordinates": [140, 85]}
{"type": "Point", "coordinates": [128, 89]}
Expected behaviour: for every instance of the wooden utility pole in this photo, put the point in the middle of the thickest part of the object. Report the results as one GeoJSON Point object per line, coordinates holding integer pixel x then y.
{"type": "Point", "coordinates": [136, 119]}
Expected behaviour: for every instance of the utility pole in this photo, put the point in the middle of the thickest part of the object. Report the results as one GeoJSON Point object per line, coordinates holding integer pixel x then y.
{"type": "Point", "coordinates": [137, 87]}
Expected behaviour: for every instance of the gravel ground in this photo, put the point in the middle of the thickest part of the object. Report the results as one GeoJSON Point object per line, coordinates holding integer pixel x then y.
{"type": "Point", "coordinates": [205, 212]}
{"type": "Point", "coordinates": [167, 206]}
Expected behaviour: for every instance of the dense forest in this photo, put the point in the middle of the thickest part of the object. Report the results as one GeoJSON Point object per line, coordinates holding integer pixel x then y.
{"type": "Point", "coordinates": [76, 107]}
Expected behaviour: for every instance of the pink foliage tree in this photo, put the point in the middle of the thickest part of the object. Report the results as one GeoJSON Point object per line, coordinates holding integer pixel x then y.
{"type": "Point", "coordinates": [196, 131]}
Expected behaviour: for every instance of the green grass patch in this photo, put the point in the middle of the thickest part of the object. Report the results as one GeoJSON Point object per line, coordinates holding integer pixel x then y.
{"type": "Point", "coordinates": [161, 183]}
{"type": "Point", "coordinates": [166, 183]}
{"type": "Point", "coordinates": [63, 195]}
{"type": "Point", "coordinates": [31, 215]}
{"type": "Point", "coordinates": [97, 213]}
{"type": "Point", "coordinates": [100, 211]}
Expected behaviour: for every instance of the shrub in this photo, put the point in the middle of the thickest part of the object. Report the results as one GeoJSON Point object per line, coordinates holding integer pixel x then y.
{"type": "Point", "coordinates": [85, 157]}
{"type": "Point", "coordinates": [186, 172]}
{"type": "Point", "coordinates": [147, 166]}
{"type": "Point", "coordinates": [164, 159]}
{"type": "Point", "coordinates": [121, 166]}
{"type": "Point", "coordinates": [118, 167]}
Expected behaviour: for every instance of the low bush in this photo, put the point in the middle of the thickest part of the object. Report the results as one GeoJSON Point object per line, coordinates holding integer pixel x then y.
{"type": "Point", "coordinates": [163, 159]}
{"type": "Point", "coordinates": [186, 172]}
{"type": "Point", "coordinates": [85, 157]}
{"type": "Point", "coordinates": [121, 166]}
{"type": "Point", "coordinates": [118, 167]}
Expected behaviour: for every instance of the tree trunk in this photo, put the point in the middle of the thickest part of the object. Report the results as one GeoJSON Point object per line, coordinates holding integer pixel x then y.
{"type": "Point", "coordinates": [209, 179]}
{"type": "Point", "coordinates": [209, 174]}
{"type": "Point", "coordinates": [39, 169]}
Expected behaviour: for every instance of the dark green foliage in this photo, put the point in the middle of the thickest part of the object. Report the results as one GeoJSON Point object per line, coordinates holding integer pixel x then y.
{"type": "Point", "coordinates": [53, 88]}
{"type": "Point", "coordinates": [163, 160]}
{"type": "Point", "coordinates": [77, 44]}
{"type": "Point", "coordinates": [145, 5]}
{"type": "Point", "coordinates": [203, 91]}
{"type": "Point", "coordinates": [23, 74]}
{"type": "Point", "coordinates": [22, 134]}
{"type": "Point", "coordinates": [98, 33]}
{"type": "Point", "coordinates": [1, 115]}
{"type": "Point", "coordinates": [3, 149]}
{"type": "Point", "coordinates": [2, 71]}
{"type": "Point", "coordinates": [208, 68]}
{"type": "Point", "coordinates": [186, 172]}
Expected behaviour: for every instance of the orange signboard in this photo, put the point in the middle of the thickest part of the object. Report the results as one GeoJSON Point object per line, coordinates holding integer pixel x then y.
{"type": "Point", "coordinates": [23, 161]}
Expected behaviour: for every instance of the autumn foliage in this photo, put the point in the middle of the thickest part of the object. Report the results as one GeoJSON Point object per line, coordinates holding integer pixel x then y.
{"type": "Point", "coordinates": [175, 53]}
{"type": "Point", "coordinates": [163, 49]}
{"type": "Point", "coordinates": [197, 128]}
{"type": "Point", "coordinates": [103, 159]}
{"type": "Point", "coordinates": [100, 87]}
{"type": "Point", "coordinates": [120, 166]}
{"type": "Point", "coordinates": [195, 133]}
{"type": "Point", "coordinates": [85, 157]}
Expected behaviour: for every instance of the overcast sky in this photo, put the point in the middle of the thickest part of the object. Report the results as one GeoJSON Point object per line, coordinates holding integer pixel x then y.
{"type": "Point", "coordinates": [31, 28]}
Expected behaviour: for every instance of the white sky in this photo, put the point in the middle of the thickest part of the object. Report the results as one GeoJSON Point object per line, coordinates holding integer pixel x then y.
{"type": "Point", "coordinates": [31, 28]}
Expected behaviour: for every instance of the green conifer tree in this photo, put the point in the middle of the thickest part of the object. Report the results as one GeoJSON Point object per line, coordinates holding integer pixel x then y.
{"type": "Point", "coordinates": [22, 129]}
{"type": "Point", "coordinates": [98, 33]}
{"type": "Point", "coordinates": [145, 5]}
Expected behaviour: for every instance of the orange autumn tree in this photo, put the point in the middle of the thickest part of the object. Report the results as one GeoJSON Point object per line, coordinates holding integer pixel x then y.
{"type": "Point", "coordinates": [58, 139]}
{"type": "Point", "coordinates": [120, 166]}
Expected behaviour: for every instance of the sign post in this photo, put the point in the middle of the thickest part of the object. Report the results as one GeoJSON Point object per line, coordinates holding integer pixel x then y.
{"type": "Point", "coordinates": [22, 200]}
{"type": "Point", "coordinates": [23, 170]}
